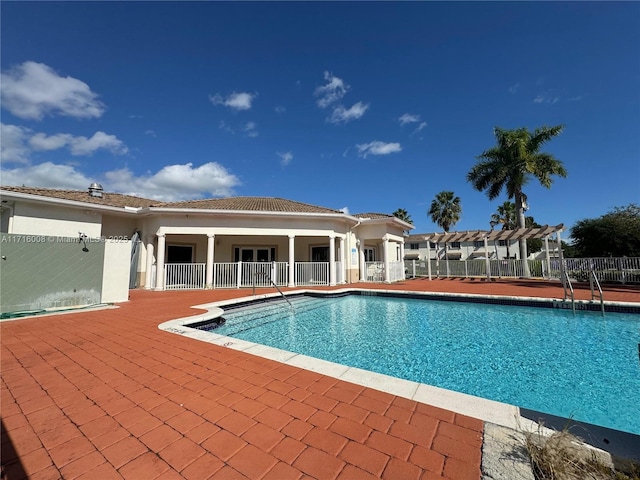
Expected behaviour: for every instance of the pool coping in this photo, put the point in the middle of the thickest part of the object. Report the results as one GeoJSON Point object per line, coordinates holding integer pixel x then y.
{"type": "Point", "coordinates": [492, 411]}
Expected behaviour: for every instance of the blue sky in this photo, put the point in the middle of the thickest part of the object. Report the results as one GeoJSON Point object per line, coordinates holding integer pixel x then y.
{"type": "Point", "coordinates": [364, 106]}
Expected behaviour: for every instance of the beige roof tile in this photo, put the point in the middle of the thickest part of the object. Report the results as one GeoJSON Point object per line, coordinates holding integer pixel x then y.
{"type": "Point", "coordinates": [108, 199]}
{"type": "Point", "coordinates": [252, 204]}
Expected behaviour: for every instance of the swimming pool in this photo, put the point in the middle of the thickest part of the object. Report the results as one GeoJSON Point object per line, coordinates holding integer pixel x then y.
{"type": "Point", "coordinates": [582, 366]}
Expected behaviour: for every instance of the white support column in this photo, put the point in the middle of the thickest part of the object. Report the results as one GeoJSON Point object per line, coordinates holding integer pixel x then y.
{"type": "Point", "coordinates": [486, 258]}
{"type": "Point", "coordinates": [404, 277]}
{"type": "Point", "coordinates": [292, 261]}
{"type": "Point", "coordinates": [343, 262]}
{"type": "Point", "coordinates": [429, 259]}
{"type": "Point", "coordinates": [561, 260]}
{"type": "Point", "coordinates": [160, 263]}
{"type": "Point", "coordinates": [385, 253]}
{"type": "Point", "coordinates": [209, 269]}
{"type": "Point", "coordinates": [362, 266]}
{"type": "Point", "coordinates": [547, 256]}
{"type": "Point", "coordinates": [147, 274]}
{"type": "Point", "coordinates": [332, 260]}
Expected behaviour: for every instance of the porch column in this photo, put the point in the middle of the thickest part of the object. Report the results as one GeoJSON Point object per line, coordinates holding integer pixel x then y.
{"type": "Point", "coordinates": [149, 267]}
{"type": "Point", "coordinates": [363, 277]}
{"type": "Point", "coordinates": [332, 260]}
{"type": "Point", "coordinates": [486, 258]}
{"type": "Point", "coordinates": [385, 253]}
{"type": "Point", "coordinates": [160, 263]}
{"type": "Point", "coordinates": [343, 262]}
{"type": "Point", "coordinates": [208, 283]}
{"type": "Point", "coordinates": [547, 256]}
{"type": "Point", "coordinates": [292, 261]}
{"type": "Point", "coordinates": [402, 259]}
{"type": "Point", "coordinates": [429, 259]}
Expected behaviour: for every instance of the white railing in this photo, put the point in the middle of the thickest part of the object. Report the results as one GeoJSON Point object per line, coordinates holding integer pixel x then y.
{"type": "Point", "coordinates": [312, 273]}
{"type": "Point", "coordinates": [373, 272]}
{"type": "Point", "coordinates": [261, 274]}
{"type": "Point", "coordinates": [225, 275]}
{"type": "Point", "coordinates": [607, 269]}
{"type": "Point", "coordinates": [396, 271]}
{"type": "Point", "coordinates": [184, 276]}
{"type": "Point", "coordinates": [619, 270]}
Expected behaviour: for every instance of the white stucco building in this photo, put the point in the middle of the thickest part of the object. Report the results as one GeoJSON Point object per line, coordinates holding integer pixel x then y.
{"type": "Point", "coordinates": [217, 242]}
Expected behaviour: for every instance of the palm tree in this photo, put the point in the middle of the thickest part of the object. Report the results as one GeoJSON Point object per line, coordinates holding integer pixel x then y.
{"type": "Point", "coordinates": [403, 215]}
{"type": "Point", "coordinates": [511, 164]}
{"type": "Point", "coordinates": [445, 211]}
{"type": "Point", "coordinates": [505, 215]}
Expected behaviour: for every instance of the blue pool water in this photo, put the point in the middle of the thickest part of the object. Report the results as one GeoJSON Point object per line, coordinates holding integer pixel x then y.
{"type": "Point", "coordinates": [581, 366]}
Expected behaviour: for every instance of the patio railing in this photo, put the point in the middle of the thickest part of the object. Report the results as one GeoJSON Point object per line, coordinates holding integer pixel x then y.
{"type": "Point", "coordinates": [312, 273]}
{"type": "Point", "coordinates": [183, 276]}
{"type": "Point", "coordinates": [607, 270]}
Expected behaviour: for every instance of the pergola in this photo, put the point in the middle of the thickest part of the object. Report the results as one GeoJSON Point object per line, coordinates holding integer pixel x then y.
{"type": "Point", "coordinates": [492, 235]}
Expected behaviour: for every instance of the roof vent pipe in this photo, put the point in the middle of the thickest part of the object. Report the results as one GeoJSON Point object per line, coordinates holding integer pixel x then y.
{"type": "Point", "coordinates": [95, 190]}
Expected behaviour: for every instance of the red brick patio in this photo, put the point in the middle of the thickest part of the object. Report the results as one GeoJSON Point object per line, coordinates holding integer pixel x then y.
{"type": "Point", "coordinates": [104, 394]}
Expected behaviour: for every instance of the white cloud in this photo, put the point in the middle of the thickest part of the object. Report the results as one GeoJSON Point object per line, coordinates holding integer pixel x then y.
{"type": "Point", "coordinates": [150, 133]}
{"type": "Point", "coordinates": [285, 158]}
{"type": "Point", "coordinates": [345, 210]}
{"type": "Point", "coordinates": [79, 146]}
{"type": "Point", "coordinates": [227, 128]}
{"type": "Point", "coordinates": [33, 90]}
{"type": "Point", "coordinates": [235, 101]}
{"type": "Point", "coordinates": [171, 183]}
{"type": "Point", "coordinates": [342, 115]}
{"type": "Point", "coordinates": [420, 127]}
{"type": "Point", "coordinates": [48, 175]}
{"type": "Point", "coordinates": [378, 148]}
{"type": "Point", "coordinates": [250, 129]}
{"type": "Point", "coordinates": [13, 146]}
{"type": "Point", "coordinates": [280, 109]}
{"type": "Point", "coordinates": [541, 98]}
{"type": "Point", "coordinates": [514, 88]}
{"type": "Point", "coordinates": [408, 118]}
{"type": "Point", "coordinates": [175, 182]}
{"type": "Point", "coordinates": [333, 91]}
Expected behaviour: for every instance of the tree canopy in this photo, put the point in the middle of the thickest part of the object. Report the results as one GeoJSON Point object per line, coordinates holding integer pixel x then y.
{"type": "Point", "coordinates": [446, 210]}
{"type": "Point", "coordinates": [403, 215]}
{"type": "Point", "coordinates": [512, 162]}
{"type": "Point", "coordinates": [615, 234]}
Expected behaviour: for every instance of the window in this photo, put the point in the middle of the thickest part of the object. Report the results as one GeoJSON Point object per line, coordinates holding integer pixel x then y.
{"type": "Point", "coordinates": [432, 245]}
{"type": "Point", "coordinates": [369, 255]}
{"type": "Point", "coordinates": [254, 254]}
{"type": "Point", "coordinates": [502, 243]}
{"type": "Point", "coordinates": [179, 253]}
{"type": "Point", "coordinates": [478, 244]}
{"type": "Point", "coordinates": [414, 246]}
{"type": "Point", "coordinates": [455, 245]}
{"type": "Point", "coordinates": [319, 254]}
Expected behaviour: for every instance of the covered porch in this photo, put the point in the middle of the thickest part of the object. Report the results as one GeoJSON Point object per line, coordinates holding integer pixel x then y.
{"type": "Point", "coordinates": [208, 260]}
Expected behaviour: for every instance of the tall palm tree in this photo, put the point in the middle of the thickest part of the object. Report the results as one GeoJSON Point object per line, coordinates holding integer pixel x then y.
{"type": "Point", "coordinates": [445, 211]}
{"type": "Point", "coordinates": [506, 215]}
{"type": "Point", "coordinates": [403, 215]}
{"type": "Point", "coordinates": [510, 164]}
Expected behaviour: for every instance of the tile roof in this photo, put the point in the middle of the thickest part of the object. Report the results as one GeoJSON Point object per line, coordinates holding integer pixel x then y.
{"type": "Point", "coordinates": [372, 215]}
{"type": "Point", "coordinates": [251, 204]}
{"type": "Point", "coordinates": [108, 199]}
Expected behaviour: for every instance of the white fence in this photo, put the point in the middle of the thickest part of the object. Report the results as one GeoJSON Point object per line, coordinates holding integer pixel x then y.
{"type": "Point", "coordinates": [375, 271]}
{"type": "Point", "coordinates": [620, 270]}
{"type": "Point", "coordinates": [182, 276]}
{"type": "Point", "coordinates": [312, 273]}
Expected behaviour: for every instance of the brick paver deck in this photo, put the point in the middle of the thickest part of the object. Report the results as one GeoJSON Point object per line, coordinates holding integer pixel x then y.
{"type": "Point", "coordinates": [106, 395]}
